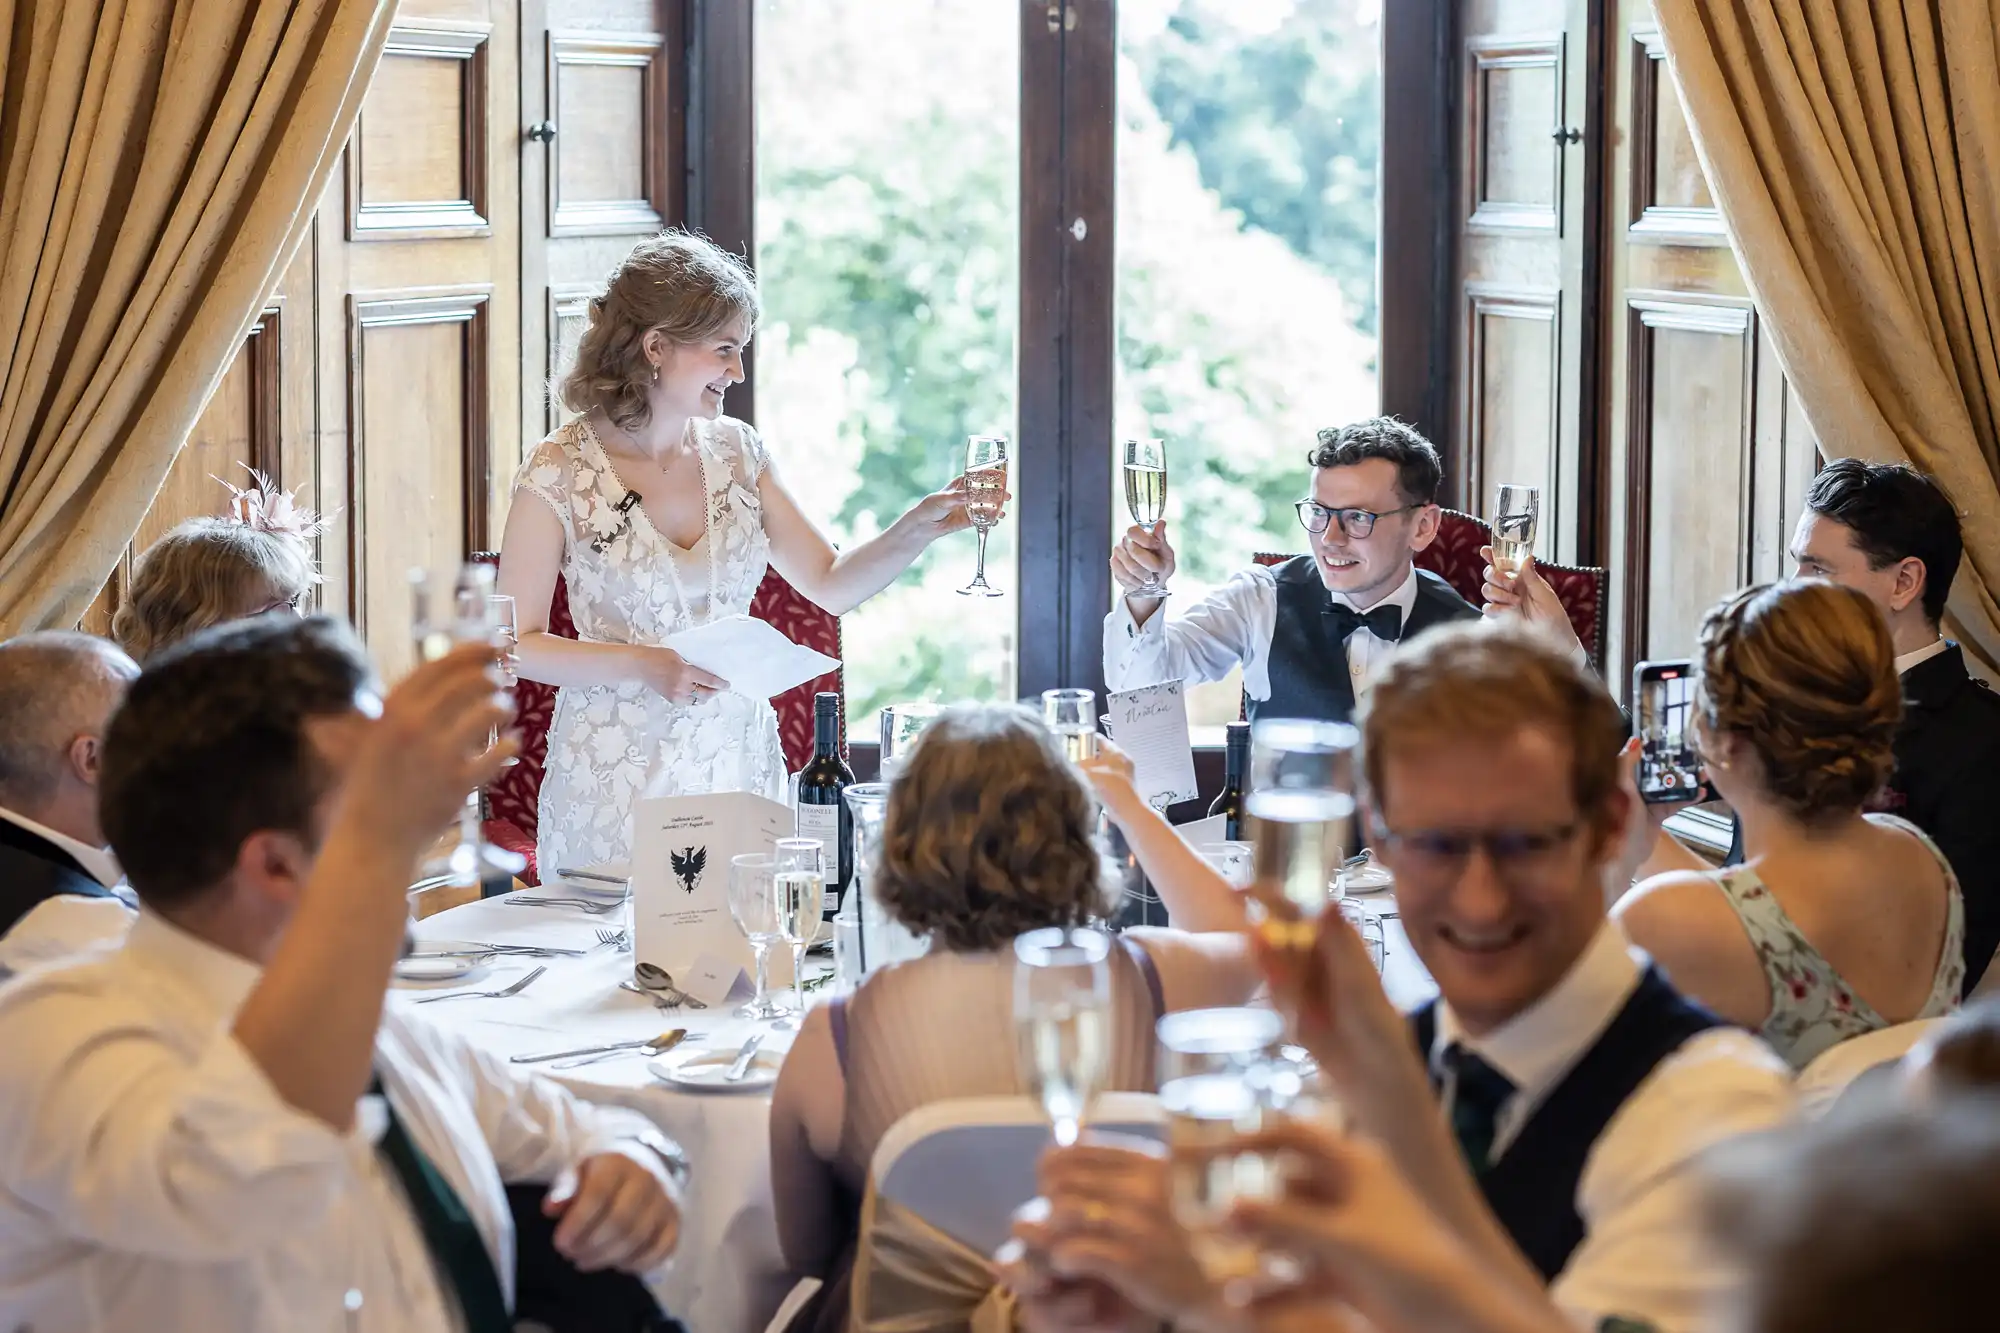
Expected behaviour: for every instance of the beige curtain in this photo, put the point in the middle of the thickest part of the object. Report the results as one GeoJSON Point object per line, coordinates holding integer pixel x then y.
{"type": "Point", "coordinates": [159, 162]}
{"type": "Point", "coordinates": [1854, 149]}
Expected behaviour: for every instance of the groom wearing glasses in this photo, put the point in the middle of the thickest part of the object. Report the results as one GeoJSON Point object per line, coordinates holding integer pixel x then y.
{"type": "Point", "coordinates": [1311, 632]}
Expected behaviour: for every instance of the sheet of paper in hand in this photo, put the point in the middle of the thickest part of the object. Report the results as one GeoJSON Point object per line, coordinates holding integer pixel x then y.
{"type": "Point", "coordinates": [756, 660]}
{"type": "Point", "coordinates": [681, 847]}
{"type": "Point", "coordinates": [1150, 724]}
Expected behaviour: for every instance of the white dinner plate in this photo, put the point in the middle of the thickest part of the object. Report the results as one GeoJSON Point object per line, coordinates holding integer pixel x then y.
{"type": "Point", "coordinates": [1368, 879]}
{"type": "Point", "coordinates": [429, 963]}
{"type": "Point", "coordinates": [704, 1068]}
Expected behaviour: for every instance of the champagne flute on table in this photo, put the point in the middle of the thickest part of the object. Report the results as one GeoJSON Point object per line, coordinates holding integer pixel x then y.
{"type": "Point", "coordinates": [507, 633]}
{"type": "Point", "coordinates": [436, 627]}
{"type": "Point", "coordinates": [798, 885]}
{"type": "Point", "coordinates": [985, 492]}
{"type": "Point", "coordinates": [1218, 1080]}
{"type": "Point", "coordinates": [753, 903]}
{"type": "Point", "coordinates": [1300, 817]}
{"type": "Point", "coordinates": [1062, 1021]}
{"type": "Point", "coordinates": [1517, 511]}
{"type": "Point", "coordinates": [1146, 495]}
{"type": "Point", "coordinates": [1072, 716]}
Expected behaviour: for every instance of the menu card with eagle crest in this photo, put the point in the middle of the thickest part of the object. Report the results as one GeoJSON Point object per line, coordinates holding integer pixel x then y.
{"type": "Point", "coordinates": [681, 847]}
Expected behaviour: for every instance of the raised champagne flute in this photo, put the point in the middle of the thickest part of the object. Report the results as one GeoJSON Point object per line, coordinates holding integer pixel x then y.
{"type": "Point", "coordinates": [1072, 716]}
{"type": "Point", "coordinates": [985, 496]}
{"type": "Point", "coordinates": [436, 628]}
{"type": "Point", "coordinates": [753, 905]}
{"type": "Point", "coordinates": [1062, 1021]}
{"type": "Point", "coordinates": [1219, 1080]}
{"type": "Point", "coordinates": [1146, 495]}
{"type": "Point", "coordinates": [1517, 512]}
{"type": "Point", "coordinates": [1300, 817]}
{"type": "Point", "coordinates": [798, 884]}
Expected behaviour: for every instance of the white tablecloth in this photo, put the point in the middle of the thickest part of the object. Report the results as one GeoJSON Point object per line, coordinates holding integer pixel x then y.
{"type": "Point", "coordinates": [729, 1277]}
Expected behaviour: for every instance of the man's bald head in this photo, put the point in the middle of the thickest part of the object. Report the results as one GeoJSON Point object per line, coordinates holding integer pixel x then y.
{"type": "Point", "coordinates": [57, 692]}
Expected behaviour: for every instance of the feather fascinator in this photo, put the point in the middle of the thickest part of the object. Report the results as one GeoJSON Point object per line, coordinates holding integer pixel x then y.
{"type": "Point", "coordinates": [261, 505]}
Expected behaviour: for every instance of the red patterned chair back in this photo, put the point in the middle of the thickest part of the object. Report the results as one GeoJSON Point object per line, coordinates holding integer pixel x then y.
{"type": "Point", "coordinates": [514, 800]}
{"type": "Point", "coordinates": [1454, 557]}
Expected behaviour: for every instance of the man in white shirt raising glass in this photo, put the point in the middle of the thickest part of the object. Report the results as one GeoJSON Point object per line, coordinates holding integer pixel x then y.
{"type": "Point", "coordinates": [226, 1124]}
{"type": "Point", "coordinates": [1308, 633]}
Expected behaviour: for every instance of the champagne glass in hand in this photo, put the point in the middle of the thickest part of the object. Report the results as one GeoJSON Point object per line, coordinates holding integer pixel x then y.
{"type": "Point", "coordinates": [985, 495]}
{"type": "Point", "coordinates": [436, 628]}
{"type": "Point", "coordinates": [1062, 1019]}
{"type": "Point", "coordinates": [1146, 496]}
{"type": "Point", "coordinates": [1517, 511]}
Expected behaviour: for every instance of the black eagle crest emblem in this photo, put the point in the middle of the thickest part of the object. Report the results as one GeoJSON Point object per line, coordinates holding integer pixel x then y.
{"type": "Point", "coordinates": [688, 866]}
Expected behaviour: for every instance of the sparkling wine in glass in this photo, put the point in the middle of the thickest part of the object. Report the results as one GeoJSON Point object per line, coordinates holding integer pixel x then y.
{"type": "Point", "coordinates": [985, 496]}
{"type": "Point", "coordinates": [507, 633]}
{"type": "Point", "coordinates": [436, 627]}
{"type": "Point", "coordinates": [1062, 1021]}
{"type": "Point", "coordinates": [1300, 817]}
{"type": "Point", "coordinates": [1516, 513]}
{"type": "Point", "coordinates": [1146, 494]}
{"type": "Point", "coordinates": [1072, 716]}
{"type": "Point", "coordinates": [753, 903]}
{"type": "Point", "coordinates": [1219, 1081]}
{"type": "Point", "coordinates": [798, 885]}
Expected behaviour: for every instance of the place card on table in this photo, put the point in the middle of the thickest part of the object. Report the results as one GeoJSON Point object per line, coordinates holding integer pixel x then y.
{"type": "Point", "coordinates": [1150, 724]}
{"type": "Point", "coordinates": [681, 847]}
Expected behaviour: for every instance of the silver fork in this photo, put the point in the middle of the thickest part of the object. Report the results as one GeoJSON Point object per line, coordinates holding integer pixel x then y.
{"type": "Point", "coordinates": [519, 985]}
{"type": "Point", "coordinates": [615, 939]}
{"type": "Point", "coordinates": [579, 904]}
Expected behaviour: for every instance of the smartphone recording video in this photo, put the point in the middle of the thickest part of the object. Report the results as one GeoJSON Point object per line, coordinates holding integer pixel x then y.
{"type": "Point", "coordinates": [1668, 767]}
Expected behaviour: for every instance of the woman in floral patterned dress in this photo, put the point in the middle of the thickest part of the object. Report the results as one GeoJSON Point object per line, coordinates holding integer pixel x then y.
{"type": "Point", "coordinates": [661, 514]}
{"type": "Point", "coordinates": [1838, 922]}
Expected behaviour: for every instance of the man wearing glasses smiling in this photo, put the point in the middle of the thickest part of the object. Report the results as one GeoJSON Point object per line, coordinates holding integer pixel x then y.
{"type": "Point", "coordinates": [1308, 633]}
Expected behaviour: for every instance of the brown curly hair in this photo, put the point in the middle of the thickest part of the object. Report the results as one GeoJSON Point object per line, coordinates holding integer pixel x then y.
{"type": "Point", "coordinates": [1805, 673]}
{"type": "Point", "coordinates": [989, 833]}
{"type": "Point", "coordinates": [679, 282]}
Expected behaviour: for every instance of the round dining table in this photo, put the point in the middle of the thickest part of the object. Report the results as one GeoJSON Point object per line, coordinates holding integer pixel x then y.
{"type": "Point", "coordinates": [728, 1273]}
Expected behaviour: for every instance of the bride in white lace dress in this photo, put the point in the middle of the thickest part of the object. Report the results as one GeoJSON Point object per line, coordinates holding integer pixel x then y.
{"type": "Point", "coordinates": [661, 514]}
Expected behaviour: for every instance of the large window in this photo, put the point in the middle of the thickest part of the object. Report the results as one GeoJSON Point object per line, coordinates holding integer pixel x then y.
{"type": "Point", "coordinates": [1248, 137]}
{"type": "Point", "coordinates": [888, 159]}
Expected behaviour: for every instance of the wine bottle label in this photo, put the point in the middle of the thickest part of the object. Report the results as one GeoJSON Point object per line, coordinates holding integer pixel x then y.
{"type": "Point", "coordinates": [822, 822]}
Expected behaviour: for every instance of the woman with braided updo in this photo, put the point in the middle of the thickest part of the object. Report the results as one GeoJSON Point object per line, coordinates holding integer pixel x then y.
{"type": "Point", "coordinates": [1838, 922]}
{"type": "Point", "coordinates": [660, 514]}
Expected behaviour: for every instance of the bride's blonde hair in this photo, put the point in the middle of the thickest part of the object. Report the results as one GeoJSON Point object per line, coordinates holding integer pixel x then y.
{"type": "Point", "coordinates": [679, 282]}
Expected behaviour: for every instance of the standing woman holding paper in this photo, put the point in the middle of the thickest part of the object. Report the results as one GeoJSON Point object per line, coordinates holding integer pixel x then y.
{"type": "Point", "coordinates": [661, 514]}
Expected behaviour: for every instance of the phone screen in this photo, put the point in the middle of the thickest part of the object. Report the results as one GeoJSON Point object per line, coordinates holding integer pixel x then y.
{"type": "Point", "coordinates": [1669, 769]}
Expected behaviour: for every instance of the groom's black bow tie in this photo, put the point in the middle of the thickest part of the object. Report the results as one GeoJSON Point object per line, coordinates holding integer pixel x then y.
{"type": "Point", "coordinates": [1384, 622]}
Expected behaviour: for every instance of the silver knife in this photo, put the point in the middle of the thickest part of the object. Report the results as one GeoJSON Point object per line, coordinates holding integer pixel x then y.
{"type": "Point", "coordinates": [593, 876]}
{"type": "Point", "coordinates": [743, 1059]}
{"type": "Point", "coordinates": [581, 1050]}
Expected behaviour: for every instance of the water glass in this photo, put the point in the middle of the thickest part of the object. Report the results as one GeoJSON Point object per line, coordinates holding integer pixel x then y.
{"type": "Point", "coordinates": [901, 725]}
{"type": "Point", "coordinates": [1062, 1021]}
{"type": "Point", "coordinates": [753, 903]}
{"type": "Point", "coordinates": [1367, 924]}
{"type": "Point", "coordinates": [1231, 860]}
{"type": "Point", "coordinates": [1072, 716]}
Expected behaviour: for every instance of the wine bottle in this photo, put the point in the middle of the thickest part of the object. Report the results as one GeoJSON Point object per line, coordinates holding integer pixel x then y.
{"type": "Point", "coordinates": [1229, 804]}
{"type": "Point", "coordinates": [822, 814]}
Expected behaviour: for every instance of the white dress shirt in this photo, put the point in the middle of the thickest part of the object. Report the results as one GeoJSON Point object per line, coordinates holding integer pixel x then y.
{"type": "Point", "coordinates": [97, 862]}
{"type": "Point", "coordinates": [151, 1178]}
{"type": "Point", "coordinates": [1640, 1195]}
{"type": "Point", "coordinates": [1232, 624]}
{"type": "Point", "coordinates": [1904, 661]}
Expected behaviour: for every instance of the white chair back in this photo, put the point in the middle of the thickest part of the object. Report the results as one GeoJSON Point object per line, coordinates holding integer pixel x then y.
{"type": "Point", "coordinates": [942, 1191]}
{"type": "Point", "coordinates": [1822, 1081]}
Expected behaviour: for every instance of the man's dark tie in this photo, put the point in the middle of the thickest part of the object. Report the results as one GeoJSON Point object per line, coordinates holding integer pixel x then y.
{"type": "Point", "coordinates": [449, 1233]}
{"type": "Point", "coordinates": [1477, 1094]}
{"type": "Point", "coordinates": [1384, 622]}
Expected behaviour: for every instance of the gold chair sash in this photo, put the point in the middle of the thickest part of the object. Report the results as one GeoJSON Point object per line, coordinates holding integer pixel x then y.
{"type": "Point", "coordinates": [910, 1277]}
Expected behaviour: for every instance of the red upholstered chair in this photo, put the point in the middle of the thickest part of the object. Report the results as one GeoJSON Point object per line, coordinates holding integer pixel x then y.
{"type": "Point", "coordinates": [1584, 591]}
{"type": "Point", "coordinates": [514, 801]}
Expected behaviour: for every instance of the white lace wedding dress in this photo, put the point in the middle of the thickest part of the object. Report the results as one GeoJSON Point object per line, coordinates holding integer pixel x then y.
{"type": "Point", "coordinates": [610, 744]}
